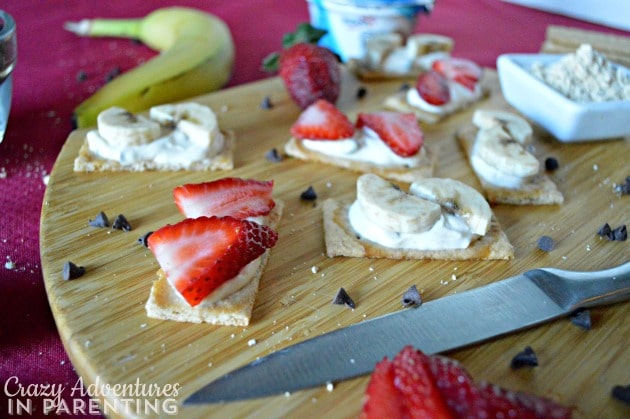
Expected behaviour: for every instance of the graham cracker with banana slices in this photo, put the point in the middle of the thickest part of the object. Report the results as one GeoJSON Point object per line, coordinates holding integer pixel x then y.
{"type": "Point", "coordinates": [234, 310]}
{"type": "Point", "coordinates": [539, 191]}
{"type": "Point", "coordinates": [425, 167]}
{"type": "Point", "coordinates": [224, 160]}
{"type": "Point", "coordinates": [341, 240]}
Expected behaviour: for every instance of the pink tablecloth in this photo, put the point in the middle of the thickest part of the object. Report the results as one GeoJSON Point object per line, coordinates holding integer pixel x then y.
{"type": "Point", "coordinates": [46, 89]}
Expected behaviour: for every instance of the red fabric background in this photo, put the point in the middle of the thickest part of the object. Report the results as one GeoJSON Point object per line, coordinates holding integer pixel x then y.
{"type": "Point", "coordinates": [46, 90]}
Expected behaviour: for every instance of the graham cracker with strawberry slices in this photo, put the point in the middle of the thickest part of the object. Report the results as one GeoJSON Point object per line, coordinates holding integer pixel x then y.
{"type": "Point", "coordinates": [235, 310]}
{"type": "Point", "coordinates": [424, 168]}
{"type": "Point", "coordinates": [342, 240]}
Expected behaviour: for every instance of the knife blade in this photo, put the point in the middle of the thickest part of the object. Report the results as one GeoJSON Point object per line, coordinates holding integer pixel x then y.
{"type": "Point", "coordinates": [451, 322]}
{"type": "Point", "coordinates": [5, 104]}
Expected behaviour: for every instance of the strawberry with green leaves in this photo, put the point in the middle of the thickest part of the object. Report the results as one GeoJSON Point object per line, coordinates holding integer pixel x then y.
{"type": "Point", "coordinates": [200, 254]}
{"type": "Point", "coordinates": [415, 385]}
{"type": "Point", "coordinates": [309, 72]}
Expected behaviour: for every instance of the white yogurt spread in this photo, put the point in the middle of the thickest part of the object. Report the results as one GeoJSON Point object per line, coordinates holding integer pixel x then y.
{"type": "Point", "coordinates": [449, 232]}
{"type": "Point", "coordinates": [460, 97]}
{"type": "Point", "coordinates": [365, 146]}
{"type": "Point", "coordinates": [176, 148]}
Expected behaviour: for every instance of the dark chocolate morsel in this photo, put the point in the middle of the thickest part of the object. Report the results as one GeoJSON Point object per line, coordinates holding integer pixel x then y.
{"type": "Point", "coordinates": [100, 221]}
{"type": "Point", "coordinates": [622, 393]}
{"type": "Point", "coordinates": [273, 156]}
{"type": "Point", "coordinates": [620, 233]}
{"type": "Point", "coordinates": [545, 243]}
{"type": "Point", "coordinates": [266, 103]}
{"type": "Point", "coordinates": [361, 92]}
{"type": "Point", "coordinates": [525, 358]}
{"type": "Point", "coordinates": [604, 230]}
{"type": "Point", "coordinates": [411, 297]}
{"type": "Point", "coordinates": [72, 271]}
{"type": "Point", "coordinates": [309, 194]}
{"type": "Point", "coordinates": [144, 239]}
{"type": "Point", "coordinates": [551, 164]}
{"type": "Point", "coordinates": [581, 318]}
{"type": "Point", "coordinates": [342, 298]}
{"type": "Point", "coordinates": [82, 76]}
{"type": "Point", "coordinates": [121, 223]}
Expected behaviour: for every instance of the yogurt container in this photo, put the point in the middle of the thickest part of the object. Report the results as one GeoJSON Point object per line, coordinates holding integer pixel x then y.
{"type": "Point", "coordinates": [351, 22]}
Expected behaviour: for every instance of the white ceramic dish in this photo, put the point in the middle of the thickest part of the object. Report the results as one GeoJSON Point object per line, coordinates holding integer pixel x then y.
{"type": "Point", "coordinates": [565, 119]}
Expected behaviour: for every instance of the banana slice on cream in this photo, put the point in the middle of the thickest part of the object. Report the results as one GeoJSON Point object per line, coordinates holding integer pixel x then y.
{"type": "Point", "coordinates": [121, 128]}
{"type": "Point", "coordinates": [517, 127]}
{"type": "Point", "coordinates": [498, 149]}
{"type": "Point", "coordinates": [458, 198]}
{"type": "Point", "coordinates": [197, 121]}
{"type": "Point", "coordinates": [386, 205]}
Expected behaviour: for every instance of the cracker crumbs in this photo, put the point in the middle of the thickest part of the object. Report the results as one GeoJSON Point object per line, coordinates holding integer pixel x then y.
{"type": "Point", "coordinates": [252, 342]}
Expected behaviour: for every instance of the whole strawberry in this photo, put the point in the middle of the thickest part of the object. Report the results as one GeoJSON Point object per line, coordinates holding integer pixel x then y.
{"type": "Point", "coordinates": [309, 72]}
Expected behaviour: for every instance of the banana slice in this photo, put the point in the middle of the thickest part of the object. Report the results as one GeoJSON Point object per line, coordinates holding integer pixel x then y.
{"type": "Point", "coordinates": [198, 122]}
{"type": "Point", "coordinates": [426, 43]}
{"type": "Point", "coordinates": [378, 47]}
{"type": "Point", "coordinates": [122, 128]}
{"type": "Point", "coordinates": [495, 147]}
{"type": "Point", "coordinates": [517, 127]}
{"type": "Point", "coordinates": [458, 198]}
{"type": "Point", "coordinates": [388, 206]}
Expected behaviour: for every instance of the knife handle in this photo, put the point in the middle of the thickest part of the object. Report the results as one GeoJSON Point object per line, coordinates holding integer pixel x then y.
{"type": "Point", "coordinates": [572, 290]}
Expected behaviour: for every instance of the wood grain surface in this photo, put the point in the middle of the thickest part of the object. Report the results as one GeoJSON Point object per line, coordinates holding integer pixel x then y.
{"type": "Point", "coordinates": [110, 340]}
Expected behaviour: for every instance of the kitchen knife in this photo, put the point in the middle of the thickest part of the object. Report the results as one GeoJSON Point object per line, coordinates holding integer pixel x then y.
{"type": "Point", "coordinates": [461, 319]}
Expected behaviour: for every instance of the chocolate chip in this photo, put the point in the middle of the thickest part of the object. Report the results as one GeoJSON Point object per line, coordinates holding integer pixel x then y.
{"type": "Point", "coordinates": [342, 298]}
{"type": "Point", "coordinates": [404, 87]}
{"type": "Point", "coordinates": [551, 164]}
{"type": "Point", "coordinates": [622, 393]}
{"type": "Point", "coordinates": [112, 74]}
{"type": "Point", "coordinates": [622, 188]}
{"type": "Point", "coordinates": [274, 156]}
{"type": "Point", "coordinates": [99, 221]}
{"type": "Point", "coordinates": [144, 239]}
{"type": "Point", "coordinates": [82, 76]}
{"type": "Point", "coordinates": [266, 103]}
{"type": "Point", "coordinates": [546, 244]}
{"type": "Point", "coordinates": [411, 297]}
{"type": "Point", "coordinates": [581, 318]}
{"type": "Point", "coordinates": [361, 92]}
{"type": "Point", "coordinates": [121, 223]}
{"type": "Point", "coordinates": [604, 230]}
{"type": "Point", "coordinates": [72, 271]}
{"type": "Point", "coordinates": [620, 234]}
{"type": "Point", "coordinates": [525, 358]}
{"type": "Point", "coordinates": [309, 194]}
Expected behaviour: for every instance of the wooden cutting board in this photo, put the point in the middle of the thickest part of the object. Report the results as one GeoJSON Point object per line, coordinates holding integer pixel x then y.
{"type": "Point", "coordinates": [110, 340]}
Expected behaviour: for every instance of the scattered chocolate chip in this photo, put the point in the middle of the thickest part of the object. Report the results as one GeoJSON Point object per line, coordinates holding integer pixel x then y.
{"type": "Point", "coordinates": [121, 223]}
{"type": "Point", "coordinates": [622, 188]}
{"type": "Point", "coordinates": [545, 243]}
{"type": "Point", "coordinates": [361, 92]}
{"type": "Point", "coordinates": [112, 74]}
{"type": "Point", "coordinates": [525, 358]}
{"type": "Point", "coordinates": [622, 393]}
{"type": "Point", "coordinates": [411, 297]}
{"type": "Point", "coordinates": [404, 87]}
{"type": "Point", "coordinates": [72, 271]}
{"type": "Point", "coordinates": [274, 156]}
{"type": "Point", "coordinates": [309, 194]}
{"type": "Point", "coordinates": [581, 318]}
{"type": "Point", "coordinates": [551, 164]}
{"type": "Point", "coordinates": [82, 76]}
{"type": "Point", "coordinates": [266, 103]}
{"type": "Point", "coordinates": [342, 298]}
{"type": "Point", "coordinates": [143, 240]}
{"type": "Point", "coordinates": [100, 221]}
{"type": "Point", "coordinates": [617, 234]}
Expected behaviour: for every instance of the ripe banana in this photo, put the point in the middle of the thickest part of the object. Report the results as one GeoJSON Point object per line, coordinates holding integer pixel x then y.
{"type": "Point", "coordinates": [121, 128]}
{"type": "Point", "coordinates": [456, 197]}
{"type": "Point", "coordinates": [388, 206]}
{"type": "Point", "coordinates": [197, 57]}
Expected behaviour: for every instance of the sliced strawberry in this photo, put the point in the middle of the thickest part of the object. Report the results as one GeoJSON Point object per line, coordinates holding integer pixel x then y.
{"type": "Point", "coordinates": [433, 88]}
{"type": "Point", "coordinates": [198, 255]}
{"type": "Point", "coordinates": [322, 121]}
{"type": "Point", "coordinates": [399, 131]}
{"type": "Point", "coordinates": [417, 385]}
{"type": "Point", "coordinates": [383, 400]}
{"type": "Point", "coordinates": [239, 198]}
{"type": "Point", "coordinates": [460, 70]}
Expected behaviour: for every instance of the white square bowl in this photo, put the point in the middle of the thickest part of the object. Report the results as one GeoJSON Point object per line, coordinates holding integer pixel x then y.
{"type": "Point", "coordinates": [565, 119]}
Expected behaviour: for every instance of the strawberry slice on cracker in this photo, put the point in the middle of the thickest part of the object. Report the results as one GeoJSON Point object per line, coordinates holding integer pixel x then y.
{"type": "Point", "coordinates": [322, 121]}
{"type": "Point", "coordinates": [460, 70]}
{"type": "Point", "coordinates": [198, 255]}
{"type": "Point", "coordinates": [236, 197]}
{"type": "Point", "coordinates": [400, 131]}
